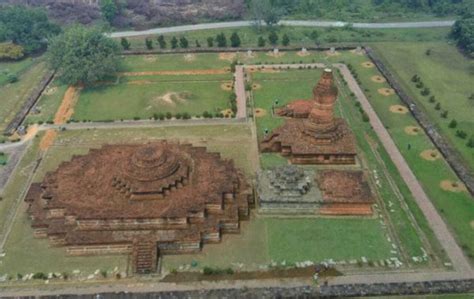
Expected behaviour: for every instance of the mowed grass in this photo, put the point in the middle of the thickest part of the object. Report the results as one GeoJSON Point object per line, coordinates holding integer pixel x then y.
{"type": "Point", "coordinates": [25, 254]}
{"type": "Point", "coordinates": [266, 239]}
{"type": "Point", "coordinates": [15, 68]}
{"type": "Point", "coordinates": [450, 78]}
{"type": "Point", "coordinates": [457, 208]}
{"type": "Point", "coordinates": [12, 96]}
{"type": "Point", "coordinates": [48, 103]}
{"type": "Point", "coordinates": [150, 95]}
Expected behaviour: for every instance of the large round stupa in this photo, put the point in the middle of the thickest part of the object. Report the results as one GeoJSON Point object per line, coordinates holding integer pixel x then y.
{"type": "Point", "coordinates": [142, 199]}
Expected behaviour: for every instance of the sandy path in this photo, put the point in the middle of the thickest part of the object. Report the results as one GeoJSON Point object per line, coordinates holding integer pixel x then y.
{"type": "Point", "coordinates": [66, 109]}
{"type": "Point", "coordinates": [183, 72]}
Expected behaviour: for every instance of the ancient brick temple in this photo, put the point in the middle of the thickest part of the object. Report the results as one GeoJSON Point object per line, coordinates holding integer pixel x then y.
{"type": "Point", "coordinates": [311, 134]}
{"type": "Point", "coordinates": [152, 199]}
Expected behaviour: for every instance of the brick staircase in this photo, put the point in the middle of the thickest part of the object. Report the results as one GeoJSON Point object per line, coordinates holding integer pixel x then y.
{"type": "Point", "coordinates": [145, 255]}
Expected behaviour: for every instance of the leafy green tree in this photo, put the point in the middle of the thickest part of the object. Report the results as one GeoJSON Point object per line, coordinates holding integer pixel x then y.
{"type": "Point", "coordinates": [234, 40]}
{"type": "Point", "coordinates": [210, 42]}
{"type": "Point", "coordinates": [161, 41]}
{"type": "Point", "coordinates": [125, 43]}
{"type": "Point", "coordinates": [198, 44]}
{"type": "Point", "coordinates": [183, 42]}
{"type": "Point", "coordinates": [109, 9]}
{"type": "Point", "coordinates": [261, 42]}
{"type": "Point", "coordinates": [10, 51]}
{"type": "Point", "coordinates": [453, 124]}
{"type": "Point", "coordinates": [221, 40]}
{"type": "Point", "coordinates": [174, 42]}
{"type": "Point", "coordinates": [83, 55]}
{"type": "Point", "coordinates": [149, 43]}
{"type": "Point", "coordinates": [463, 33]}
{"type": "Point", "coordinates": [285, 40]}
{"type": "Point", "coordinates": [27, 27]}
{"type": "Point", "coordinates": [273, 38]}
{"type": "Point", "coordinates": [265, 10]}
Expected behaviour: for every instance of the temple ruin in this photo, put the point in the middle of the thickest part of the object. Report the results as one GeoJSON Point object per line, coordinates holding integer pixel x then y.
{"type": "Point", "coordinates": [144, 200]}
{"type": "Point", "coordinates": [290, 189]}
{"type": "Point", "coordinates": [311, 134]}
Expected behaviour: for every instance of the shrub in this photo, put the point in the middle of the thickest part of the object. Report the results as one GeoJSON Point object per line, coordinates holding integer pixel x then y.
{"type": "Point", "coordinates": [415, 78]}
{"type": "Point", "coordinates": [273, 38]}
{"type": "Point", "coordinates": [470, 142]}
{"type": "Point", "coordinates": [178, 115]}
{"type": "Point", "coordinates": [10, 51]}
{"type": "Point", "coordinates": [161, 41]}
{"type": "Point", "coordinates": [198, 45]}
{"type": "Point", "coordinates": [136, 118]}
{"type": "Point", "coordinates": [365, 117]}
{"type": "Point", "coordinates": [261, 42]}
{"type": "Point", "coordinates": [183, 42]}
{"type": "Point", "coordinates": [419, 84]}
{"type": "Point", "coordinates": [234, 40]}
{"type": "Point", "coordinates": [174, 42]}
{"type": "Point", "coordinates": [103, 273]}
{"type": "Point", "coordinates": [432, 99]}
{"type": "Point", "coordinates": [169, 115]}
{"type": "Point", "coordinates": [438, 106]}
{"type": "Point", "coordinates": [125, 43]}
{"type": "Point", "coordinates": [186, 115]}
{"type": "Point", "coordinates": [453, 124]}
{"type": "Point", "coordinates": [221, 40]}
{"type": "Point", "coordinates": [444, 114]}
{"type": "Point", "coordinates": [40, 275]}
{"type": "Point", "coordinates": [149, 44]}
{"type": "Point", "coordinates": [285, 40]}
{"type": "Point", "coordinates": [461, 134]}
{"type": "Point", "coordinates": [210, 42]}
{"type": "Point", "coordinates": [426, 91]}
{"type": "Point", "coordinates": [206, 114]}
{"type": "Point", "coordinates": [12, 78]}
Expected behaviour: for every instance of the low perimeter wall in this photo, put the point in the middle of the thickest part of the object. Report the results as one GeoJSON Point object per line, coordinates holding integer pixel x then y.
{"type": "Point", "coordinates": [449, 153]}
{"type": "Point", "coordinates": [336, 291]}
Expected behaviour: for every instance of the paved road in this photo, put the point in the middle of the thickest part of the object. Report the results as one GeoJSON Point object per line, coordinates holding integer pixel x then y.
{"type": "Point", "coordinates": [236, 24]}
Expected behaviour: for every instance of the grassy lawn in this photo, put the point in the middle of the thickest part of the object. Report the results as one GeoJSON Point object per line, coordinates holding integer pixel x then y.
{"type": "Point", "coordinates": [152, 95]}
{"type": "Point", "coordinates": [303, 36]}
{"type": "Point", "coordinates": [15, 68]}
{"type": "Point", "coordinates": [48, 103]}
{"type": "Point", "coordinates": [457, 208]}
{"type": "Point", "coordinates": [12, 96]}
{"type": "Point", "coordinates": [449, 76]}
{"type": "Point", "coordinates": [263, 240]}
{"type": "Point", "coordinates": [3, 159]}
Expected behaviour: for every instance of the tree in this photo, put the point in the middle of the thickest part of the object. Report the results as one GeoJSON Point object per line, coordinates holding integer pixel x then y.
{"type": "Point", "coordinates": [463, 33]}
{"type": "Point", "coordinates": [161, 41]}
{"type": "Point", "coordinates": [109, 9]}
{"type": "Point", "coordinates": [221, 40]}
{"type": "Point", "coordinates": [234, 40]}
{"type": "Point", "coordinates": [27, 27]}
{"type": "Point", "coordinates": [10, 51]}
{"type": "Point", "coordinates": [183, 42]}
{"type": "Point", "coordinates": [174, 42]}
{"type": "Point", "coordinates": [210, 42]}
{"type": "Point", "coordinates": [149, 43]}
{"type": "Point", "coordinates": [285, 40]}
{"type": "Point", "coordinates": [198, 44]}
{"type": "Point", "coordinates": [83, 55]}
{"type": "Point", "coordinates": [470, 142]}
{"type": "Point", "coordinates": [453, 124]}
{"type": "Point", "coordinates": [125, 43]}
{"type": "Point", "coordinates": [273, 38]}
{"type": "Point", "coordinates": [263, 10]}
{"type": "Point", "coordinates": [261, 41]}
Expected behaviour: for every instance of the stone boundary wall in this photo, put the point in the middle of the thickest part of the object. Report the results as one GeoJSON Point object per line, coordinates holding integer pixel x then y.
{"type": "Point", "coordinates": [29, 103]}
{"type": "Point", "coordinates": [449, 153]}
{"type": "Point", "coordinates": [240, 49]}
{"type": "Point", "coordinates": [332, 291]}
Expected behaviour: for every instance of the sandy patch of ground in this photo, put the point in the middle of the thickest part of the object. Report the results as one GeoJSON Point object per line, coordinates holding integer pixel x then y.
{"type": "Point", "coordinates": [368, 64]}
{"type": "Point", "coordinates": [361, 52]}
{"type": "Point", "coordinates": [189, 57]}
{"type": "Point", "coordinates": [452, 186]}
{"type": "Point", "coordinates": [227, 86]}
{"type": "Point", "coordinates": [50, 90]}
{"type": "Point", "coordinates": [472, 224]}
{"type": "Point", "coordinates": [276, 55]}
{"type": "Point", "coordinates": [335, 53]}
{"type": "Point", "coordinates": [172, 98]}
{"type": "Point", "coordinates": [303, 54]}
{"type": "Point", "coordinates": [150, 58]}
{"type": "Point", "coordinates": [66, 109]}
{"type": "Point", "coordinates": [259, 112]}
{"type": "Point", "coordinates": [412, 130]}
{"type": "Point", "coordinates": [378, 79]}
{"type": "Point", "coordinates": [31, 132]}
{"type": "Point", "coordinates": [227, 56]}
{"type": "Point", "coordinates": [184, 72]}
{"type": "Point", "coordinates": [48, 139]}
{"type": "Point", "coordinates": [227, 113]}
{"type": "Point", "coordinates": [386, 91]}
{"type": "Point", "coordinates": [139, 82]}
{"type": "Point", "coordinates": [269, 70]}
{"type": "Point", "coordinates": [430, 155]}
{"type": "Point", "coordinates": [398, 109]}
{"type": "Point", "coordinates": [256, 86]}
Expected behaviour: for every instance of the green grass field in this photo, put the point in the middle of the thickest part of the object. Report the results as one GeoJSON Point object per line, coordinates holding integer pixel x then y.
{"type": "Point", "coordinates": [48, 103]}
{"type": "Point", "coordinates": [13, 95]}
{"type": "Point", "coordinates": [151, 95]}
{"type": "Point", "coordinates": [15, 68]}
{"type": "Point", "coordinates": [457, 208]}
{"type": "Point", "coordinates": [450, 77]}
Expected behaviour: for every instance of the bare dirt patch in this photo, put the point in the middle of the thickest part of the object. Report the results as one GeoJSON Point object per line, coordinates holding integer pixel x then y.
{"type": "Point", "coordinates": [260, 112]}
{"type": "Point", "coordinates": [172, 98]}
{"type": "Point", "coordinates": [358, 52]}
{"type": "Point", "coordinates": [412, 130]}
{"type": "Point", "coordinates": [303, 54]}
{"type": "Point", "coordinates": [66, 109]}
{"type": "Point", "coordinates": [189, 57]}
{"type": "Point", "coordinates": [276, 55]}
{"type": "Point", "coordinates": [50, 90]}
{"type": "Point", "coordinates": [184, 72]}
{"type": "Point", "coordinates": [330, 53]}
{"type": "Point", "coordinates": [398, 109]}
{"type": "Point", "coordinates": [227, 56]}
{"type": "Point", "coordinates": [368, 64]}
{"type": "Point", "coordinates": [139, 82]}
{"type": "Point", "coordinates": [227, 86]}
{"type": "Point", "coordinates": [48, 139]}
{"type": "Point", "coordinates": [386, 91]}
{"type": "Point", "coordinates": [472, 224]}
{"type": "Point", "coordinates": [150, 58]}
{"type": "Point", "coordinates": [256, 86]}
{"type": "Point", "coordinates": [452, 186]}
{"type": "Point", "coordinates": [378, 79]}
{"type": "Point", "coordinates": [430, 155]}
{"type": "Point", "coordinates": [31, 132]}
{"type": "Point", "coordinates": [227, 113]}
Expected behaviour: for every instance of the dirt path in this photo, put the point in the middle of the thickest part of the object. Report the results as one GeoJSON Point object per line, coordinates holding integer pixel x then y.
{"type": "Point", "coordinates": [184, 72]}
{"type": "Point", "coordinates": [239, 89]}
{"type": "Point", "coordinates": [66, 109]}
